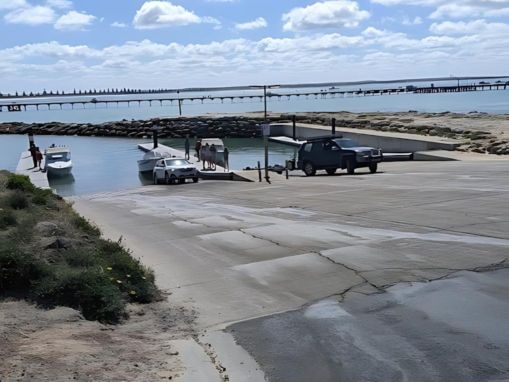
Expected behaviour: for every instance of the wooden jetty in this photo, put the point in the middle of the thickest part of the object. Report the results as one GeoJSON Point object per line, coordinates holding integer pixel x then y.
{"type": "Point", "coordinates": [70, 101]}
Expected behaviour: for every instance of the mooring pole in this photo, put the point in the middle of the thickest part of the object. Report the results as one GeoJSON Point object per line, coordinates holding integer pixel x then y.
{"type": "Point", "coordinates": [294, 123]}
{"type": "Point", "coordinates": [180, 103]}
{"type": "Point", "coordinates": [155, 138]}
{"type": "Point", "coordinates": [259, 172]}
{"type": "Point", "coordinates": [333, 126]}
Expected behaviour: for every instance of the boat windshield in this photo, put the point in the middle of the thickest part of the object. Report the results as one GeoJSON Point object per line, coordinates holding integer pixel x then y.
{"type": "Point", "coordinates": [176, 162]}
{"type": "Point", "coordinates": [346, 143]}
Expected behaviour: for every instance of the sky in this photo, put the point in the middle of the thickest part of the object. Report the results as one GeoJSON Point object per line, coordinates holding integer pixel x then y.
{"type": "Point", "coordinates": [86, 44]}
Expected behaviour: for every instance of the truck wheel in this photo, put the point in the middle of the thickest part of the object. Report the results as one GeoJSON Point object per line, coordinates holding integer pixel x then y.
{"type": "Point", "coordinates": [156, 181]}
{"type": "Point", "coordinates": [173, 179]}
{"type": "Point", "coordinates": [373, 167]}
{"type": "Point", "coordinates": [195, 179]}
{"type": "Point", "coordinates": [166, 178]}
{"type": "Point", "coordinates": [350, 166]}
{"type": "Point", "coordinates": [309, 169]}
{"type": "Point", "coordinates": [182, 180]}
{"type": "Point", "coordinates": [331, 171]}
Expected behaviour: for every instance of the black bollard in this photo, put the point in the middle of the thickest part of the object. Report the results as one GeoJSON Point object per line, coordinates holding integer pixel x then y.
{"type": "Point", "coordinates": [333, 126]}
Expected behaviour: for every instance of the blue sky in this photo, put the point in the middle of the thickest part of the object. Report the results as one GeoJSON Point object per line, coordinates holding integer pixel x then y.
{"type": "Point", "coordinates": [66, 44]}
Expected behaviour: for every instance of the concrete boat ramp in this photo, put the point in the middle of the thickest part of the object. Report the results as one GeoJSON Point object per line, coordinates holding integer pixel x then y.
{"type": "Point", "coordinates": [397, 276]}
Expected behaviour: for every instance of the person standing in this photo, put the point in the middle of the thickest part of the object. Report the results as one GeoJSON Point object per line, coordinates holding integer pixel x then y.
{"type": "Point", "coordinates": [33, 153]}
{"type": "Point", "coordinates": [39, 157]}
{"type": "Point", "coordinates": [197, 148]}
{"type": "Point", "coordinates": [226, 163]}
{"type": "Point", "coordinates": [204, 156]}
{"type": "Point", "coordinates": [187, 146]}
{"type": "Point", "coordinates": [213, 151]}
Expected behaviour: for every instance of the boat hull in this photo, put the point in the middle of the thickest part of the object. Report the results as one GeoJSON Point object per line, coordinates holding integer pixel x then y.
{"type": "Point", "coordinates": [147, 165]}
{"type": "Point", "coordinates": [59, 168]}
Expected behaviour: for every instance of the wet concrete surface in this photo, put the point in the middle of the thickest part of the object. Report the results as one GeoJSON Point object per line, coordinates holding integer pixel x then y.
{"type": "Point", "coordinates": [454, 329]}
{"type": "Point", "coordinates": [236, 251]}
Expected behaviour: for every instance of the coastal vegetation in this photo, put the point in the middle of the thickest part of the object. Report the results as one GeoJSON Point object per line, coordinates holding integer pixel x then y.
{"type": "Point", "coordinates": [52, 256]}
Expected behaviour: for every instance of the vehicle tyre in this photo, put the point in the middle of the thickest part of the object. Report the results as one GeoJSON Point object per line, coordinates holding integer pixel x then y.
{"type": "Point", "coordinates": [182, 180]}
{"type": "Point", "coordinates": [309, 169]}
{"type": "Point", "coordinates": [331, 171]}
{"type": "Point", "coordinates": [195, 179]}
{"type": "Point", "coordinates": [156, 180]}
{"type": "Point", "coordinates": [173, 179]}
{"type": "Point", "coordinates": [166, 178]}
{"type": "Point", "coordinates": [373, 167]}
{"type": "Point", "coordinates": [350, 166]}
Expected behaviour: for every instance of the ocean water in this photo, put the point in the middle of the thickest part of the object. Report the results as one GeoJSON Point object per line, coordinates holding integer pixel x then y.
{"type": "Point", "coordinates": [496, 102]}
{"type": "Point", "coordinates": [102, 164]}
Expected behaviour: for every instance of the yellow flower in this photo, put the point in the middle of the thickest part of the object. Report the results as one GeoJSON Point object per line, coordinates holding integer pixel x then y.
{"type": "Point", "coordinates": [109, 268]}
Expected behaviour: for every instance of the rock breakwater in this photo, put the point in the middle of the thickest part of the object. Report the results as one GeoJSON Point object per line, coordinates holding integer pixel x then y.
{"type": "Point", "coordinates": [475, 130]}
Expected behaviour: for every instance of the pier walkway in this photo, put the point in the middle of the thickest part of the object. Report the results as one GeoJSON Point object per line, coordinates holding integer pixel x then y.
{"type": "Point", "coordinates": [26, 167]}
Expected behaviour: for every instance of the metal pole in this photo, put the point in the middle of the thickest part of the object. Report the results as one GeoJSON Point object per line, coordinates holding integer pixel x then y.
{"type": "Point", "coordinates": [265, 102]}
{"type": "Point", "coordinates": [265, 137]}
{"type": "Point", "coordinates": [180, 103]}
{"type": "Point", "coordinates": [294, 123]}
{"type": "Point", "coordinates": [259, 172]}
{"type": "Point", "coordinates": [333, 126]}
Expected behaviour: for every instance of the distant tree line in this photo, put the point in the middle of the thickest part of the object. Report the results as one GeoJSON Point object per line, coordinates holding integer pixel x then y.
{"type": "Point", "coordinates": [86, 92]}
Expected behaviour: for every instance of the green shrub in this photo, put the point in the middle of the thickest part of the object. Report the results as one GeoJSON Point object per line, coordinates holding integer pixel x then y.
{"type": "Point", "coordinates": [42, 197]}
{"type": "Point", "coordinates": [132, 278]}
{"type": "Point", "coordinates": [19, 182]}
{"type": "Point", "coordinates": [17, 201]}
{"type": "Point", "coordinates": [7, 219]}
{"type": "Point", "coordinates": [18, 270]}
{"type": "Point", "coordinates": [83, 224]}
{"type": "Point", "coordinates": [87, 290]}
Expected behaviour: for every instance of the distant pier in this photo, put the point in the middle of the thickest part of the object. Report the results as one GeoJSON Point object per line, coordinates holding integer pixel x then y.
{"type": "Point", "coordinates": [116, 100]}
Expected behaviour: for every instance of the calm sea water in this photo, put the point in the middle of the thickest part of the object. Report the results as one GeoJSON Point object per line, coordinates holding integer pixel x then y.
{"type": "Point", "coordinates": [109, 164]}
{"type": "Point", "coordinates": [482, 101]}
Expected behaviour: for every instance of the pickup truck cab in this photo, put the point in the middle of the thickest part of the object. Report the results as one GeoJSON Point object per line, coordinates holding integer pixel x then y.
{"type": "Point", "coordinates": [332, 152]}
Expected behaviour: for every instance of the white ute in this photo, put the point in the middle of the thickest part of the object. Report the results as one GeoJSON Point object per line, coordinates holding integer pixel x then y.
{"type": "Point", "coordinates": [172, 170]}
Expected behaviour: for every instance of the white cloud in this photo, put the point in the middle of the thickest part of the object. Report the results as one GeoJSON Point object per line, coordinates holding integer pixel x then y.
{"type": "Point", "coordinates": [457, 8]}
{"type": "Point", "coordinates": [260, 22]}
{"type": "Point", "coordinates": [36, 15]}
{"type": "Point", "coordinates": [461, 27]}
{"type": "Point", "coordinates": [73, 20]}
{"type": "Point", "coordinates": [12, 4]}
{"type": "Point", "coordinates": [160, 14]}
{"type": "Point", "coordinates": [117, 24]}
{"type": "Point", "coordinates": [326, 14]}
{"type": "Point", "coordinates": [408, 22]}
{"type": "Point", "coordinates": [60, 4]}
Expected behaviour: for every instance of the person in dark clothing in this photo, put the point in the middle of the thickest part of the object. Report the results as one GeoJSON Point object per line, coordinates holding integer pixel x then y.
{"type": "Point", "coordinates": [197, 147]}
{"type": "Point", "coordinates": [213, 151]}
{"type": "Point", "coordinates": [33, 151]}
{"type": "Point", "coordinates": [39, 157]}
{"type": "Point", "coordinates": [186, 146]}
{"type": "Point", "coordinates": [226, 153]}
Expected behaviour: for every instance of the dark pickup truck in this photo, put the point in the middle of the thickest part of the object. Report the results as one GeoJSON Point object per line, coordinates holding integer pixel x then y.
{"type": "Point", "coordinates": [333, 152]}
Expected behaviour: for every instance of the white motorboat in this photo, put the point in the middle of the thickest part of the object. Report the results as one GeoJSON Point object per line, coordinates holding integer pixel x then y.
{"type": "Point", "coordinates": [148, 162]}
{"type": "Point", "coordinates": [57, 161]}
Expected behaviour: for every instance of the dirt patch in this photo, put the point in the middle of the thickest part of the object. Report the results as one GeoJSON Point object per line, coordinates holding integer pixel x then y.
{"type": "Point", "coordinates": [60, 345]}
